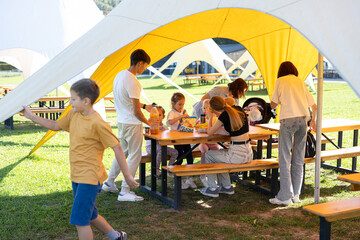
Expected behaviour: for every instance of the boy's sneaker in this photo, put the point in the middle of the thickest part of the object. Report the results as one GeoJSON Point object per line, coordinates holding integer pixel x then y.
{"type": "Point", "coordinates": [191, 183]}
{"type": "Point", "coordinates": [279, 202]}
{"type": "Point", "coordinates": [228, 191]}
{"type": "Point", "coordinates": [296, 199]}
{"type": "Point", "coordinates": [129, 197]}
{"type": "Point", "coordinates": [184, 185]}
{"type": "Point", "coordinates": [109, 187]}
{"type": "Point", "coordinates": [210, 193]}
{"type": "Point", "coordinates": [122, 236]}
{"type": "Point", "coordinates": [204, 181]}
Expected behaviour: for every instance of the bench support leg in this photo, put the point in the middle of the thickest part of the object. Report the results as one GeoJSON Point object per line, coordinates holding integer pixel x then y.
{"type": "Point", "coordinates": [142, 171]}
{"type": "Point", "coordinates": [274, 182]}
{"type": "Point", "coordinates": [325, 229]}
{"type": "Point", "coordinates": [177, 193]}
{"type": "Point", "coordinates": [340, 138]}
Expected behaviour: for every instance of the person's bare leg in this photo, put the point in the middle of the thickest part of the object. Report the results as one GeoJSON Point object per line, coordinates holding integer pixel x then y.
{"type": "Point", "coordinates": [101, 224]}
{"type": "Point", "coordinates": [84, 232]}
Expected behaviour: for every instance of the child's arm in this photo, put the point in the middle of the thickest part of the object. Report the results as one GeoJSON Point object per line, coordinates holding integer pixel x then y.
{"type": "Point", "coordinates": [174, 120]}
{"type": "Point", "coordinates": [120, 157]}
{"type": "Point", "coordinates": [46, 123]}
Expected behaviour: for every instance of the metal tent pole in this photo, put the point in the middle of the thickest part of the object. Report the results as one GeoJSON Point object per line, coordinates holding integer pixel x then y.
{"type": "Point", "coordinates": [318, 128]}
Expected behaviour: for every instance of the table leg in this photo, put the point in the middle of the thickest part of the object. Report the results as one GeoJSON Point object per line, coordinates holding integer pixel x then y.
{"type": "Point", "coordinates": [269, 153]}
{"type": "Point", "coordinates": [153, 165]}
{"type": "Point", "coordinates": [340, 138]}
{"type": "Point", "coordinates": [355, 143]}
{"type": "Point", "coordinates": [163, 171]}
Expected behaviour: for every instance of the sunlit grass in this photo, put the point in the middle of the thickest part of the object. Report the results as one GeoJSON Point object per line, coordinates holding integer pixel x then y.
{"type": "Point", "coordinates": [36, 195]}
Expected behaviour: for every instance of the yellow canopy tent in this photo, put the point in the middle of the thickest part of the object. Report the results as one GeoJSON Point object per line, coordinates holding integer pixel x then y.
{"type": "Point", "coordinates": [269, 40]}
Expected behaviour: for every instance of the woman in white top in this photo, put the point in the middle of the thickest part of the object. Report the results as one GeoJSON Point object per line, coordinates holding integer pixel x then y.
{"type": "Point", "coordinates": [295, 99]}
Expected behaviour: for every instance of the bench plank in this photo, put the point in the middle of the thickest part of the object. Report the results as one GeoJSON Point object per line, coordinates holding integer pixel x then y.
{"type": "Point", "coordinates": [214, 168]}
{"type": "Point", "coordinates": [336, 210]}
{"type": "Point", "coordinates": [354, 179]}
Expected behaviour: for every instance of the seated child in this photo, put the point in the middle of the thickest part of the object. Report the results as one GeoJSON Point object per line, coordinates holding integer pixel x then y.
{"type": "Point", "coordinates": [170, 151]}
{"type": "Point", "coordinates": [175, 117]}
{"type": "Point", "coordinates": [204, 147]}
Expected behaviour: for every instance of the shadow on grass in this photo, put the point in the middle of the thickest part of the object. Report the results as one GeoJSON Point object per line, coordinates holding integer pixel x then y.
{"type": "Point", "coordinates": [5, 171]}
{"type": "Point", "coordinates": [41, 216]}
{"type": "Point", "coordinates": [9, 143]}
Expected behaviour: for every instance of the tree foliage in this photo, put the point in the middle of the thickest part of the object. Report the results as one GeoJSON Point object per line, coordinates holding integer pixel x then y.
{"type": "Point", "coordinates": [106, 5]}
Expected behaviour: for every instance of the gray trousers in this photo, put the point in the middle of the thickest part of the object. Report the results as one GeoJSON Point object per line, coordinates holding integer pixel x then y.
{"type": "Point", "coordinates": [131, 139]}
{"type": "Point", "coordinates": [292, 136]}
{"type": "Point", "coordinates": [236, 154]}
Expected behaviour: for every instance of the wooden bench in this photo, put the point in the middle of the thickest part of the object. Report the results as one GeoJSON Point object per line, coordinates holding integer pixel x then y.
{"type": "Point", "coordinates": [256, 165]}
{"type": "Point", "coordinates": [53, 112]}
{"type": "Point", "coordinates": [354, 179]}
{"type": "Point", "coordinates": [275, 145]}
{"type": "Point", "coordinates": [333, 211]}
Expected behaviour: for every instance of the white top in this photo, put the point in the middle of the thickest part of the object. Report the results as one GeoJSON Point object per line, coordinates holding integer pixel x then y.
{"type": "Point", "coordinates": [162, 127]}
{"type": "Point", "coordinates": [173, 114]}
{"type": "Point", "coordinates": [293, 96]}
{"type": "Point", "coordinates": [221, 91]}
{"type": "Point", "coordinates": [126, 87]}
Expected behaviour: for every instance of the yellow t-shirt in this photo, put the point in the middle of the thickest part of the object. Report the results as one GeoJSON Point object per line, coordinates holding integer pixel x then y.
{"type": "Point", "coordinates": [89, 136]}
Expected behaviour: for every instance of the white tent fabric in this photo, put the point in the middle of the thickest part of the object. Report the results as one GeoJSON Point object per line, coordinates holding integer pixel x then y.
{"type": "Point", "coordinates": [250, 67]}
{"type": "Point", "coordinates": [206, 50]}
{"type": "Point", "coordinates": [34, 31]}
{"type": "Point", "coordinates": [336, 39]}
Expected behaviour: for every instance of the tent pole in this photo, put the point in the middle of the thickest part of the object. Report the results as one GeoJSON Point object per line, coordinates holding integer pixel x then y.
{"type": "Point", "coordinates": [318, 128]}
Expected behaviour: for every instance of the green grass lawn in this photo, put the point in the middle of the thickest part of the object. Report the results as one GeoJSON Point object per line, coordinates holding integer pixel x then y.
{"type": "Point", "coordinates": [36, 195]}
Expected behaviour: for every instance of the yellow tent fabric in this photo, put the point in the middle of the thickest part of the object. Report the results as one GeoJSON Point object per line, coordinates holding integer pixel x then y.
{"type": "Point", "coordinates": [269, 40]}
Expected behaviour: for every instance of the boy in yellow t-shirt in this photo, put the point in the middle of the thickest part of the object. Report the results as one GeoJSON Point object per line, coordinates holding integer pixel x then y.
{"type": "Point", "coordinates": [89, 136]}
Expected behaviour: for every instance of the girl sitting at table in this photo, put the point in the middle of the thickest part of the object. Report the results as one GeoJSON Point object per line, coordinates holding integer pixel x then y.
{"type": "Point", "coordinates": [173, 153]}
{"type": "Point", "coordinates": [235, 122]}
{"type": "Point", "coordinates": [175, 118]}
{"type": "Point", "coordinates": [204, 147]}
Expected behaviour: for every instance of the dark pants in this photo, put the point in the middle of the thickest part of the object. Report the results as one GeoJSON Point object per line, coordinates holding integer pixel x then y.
{"type": "Point", "coordinates": [182, 149]}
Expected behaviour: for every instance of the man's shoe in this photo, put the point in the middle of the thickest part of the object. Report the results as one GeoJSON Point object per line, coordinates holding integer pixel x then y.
{"type": "Point", "coordinates": [129, 197]}
{"type": "Point", "coordinates": [296, 199]}
{"type": "Point", "coordinates": [191, 183]}
{"type": "Point", "coordinates": [122, 236]}
{"type": "Point", "coordinates": [279, 202]}
{"type": "Point", "coordinates": [228, 191]}
{"type": "Point", "coordinates": [109, 187]}
{"type": "Point", "coordinates": [210, 193]}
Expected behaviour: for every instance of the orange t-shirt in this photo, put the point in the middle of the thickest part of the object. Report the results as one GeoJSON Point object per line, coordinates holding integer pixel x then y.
{"type": "Point", "coordinates": [89, 136]}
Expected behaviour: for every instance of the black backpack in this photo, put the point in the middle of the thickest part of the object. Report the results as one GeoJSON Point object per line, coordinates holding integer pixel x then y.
{"type": "Point", "coordinates": [310, 149]}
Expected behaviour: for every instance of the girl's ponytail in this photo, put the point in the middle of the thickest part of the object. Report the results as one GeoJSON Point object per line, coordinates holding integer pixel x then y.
{"type": "Point", "coordinates": [236, 117]}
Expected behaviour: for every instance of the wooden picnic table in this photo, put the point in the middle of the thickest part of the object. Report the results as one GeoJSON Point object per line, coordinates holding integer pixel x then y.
{"type": "Point", "coordinates": [332, 125]}
{"type": "Point", "coordinates": [174, 137]}
{"type": "Point", "coordinates": [353, 178]}
{"type": "Point", "coordinates": [7, 88]}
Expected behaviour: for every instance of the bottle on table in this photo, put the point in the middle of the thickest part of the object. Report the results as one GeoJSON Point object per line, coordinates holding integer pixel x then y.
{"type": "Point", "coordinates": [154, 115]}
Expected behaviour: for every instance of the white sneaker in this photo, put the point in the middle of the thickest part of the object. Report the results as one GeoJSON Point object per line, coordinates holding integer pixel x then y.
{"type": "Point", "coordinates": [204, 181]}
{"type": "Point", "coordinates": [129, 197]}
{"type": "Point", "coordinates": [184, 185]}
{"type": "Point", "coordinates": [191, 183]}
{"type": "Point", "coordinates": [279, 202]}
{"type": "Point", "coordinates": [109, 187]}
{"type": "Point", "coordinates": [296, 199]}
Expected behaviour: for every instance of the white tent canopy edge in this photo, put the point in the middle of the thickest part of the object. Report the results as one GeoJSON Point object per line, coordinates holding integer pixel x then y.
{"type": "Point", "coordinates": [101, 41]}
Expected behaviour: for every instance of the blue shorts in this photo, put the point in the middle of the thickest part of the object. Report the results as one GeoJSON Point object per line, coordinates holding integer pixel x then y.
{"type": "Point", "coordinates": [84, 209]}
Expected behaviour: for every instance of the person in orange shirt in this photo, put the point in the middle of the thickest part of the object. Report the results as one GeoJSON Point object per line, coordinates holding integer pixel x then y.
{"type": "Point", "coordinates": [89, 136]}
